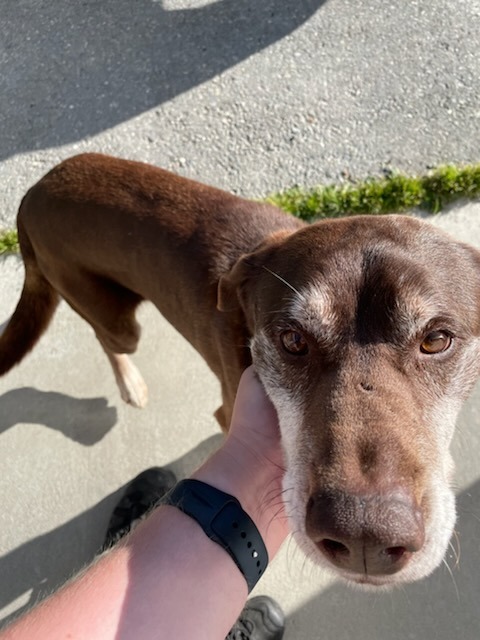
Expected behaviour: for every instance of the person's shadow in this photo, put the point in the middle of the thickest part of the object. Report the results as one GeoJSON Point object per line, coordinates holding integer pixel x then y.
{"type": "Point", "coordinates": [38, 567]}
{"type": "Point", "coordinates": [73, 69]}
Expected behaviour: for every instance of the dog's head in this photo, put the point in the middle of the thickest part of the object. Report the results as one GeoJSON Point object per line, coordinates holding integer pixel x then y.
{"type": "Point", "coordinates": [365, 334]}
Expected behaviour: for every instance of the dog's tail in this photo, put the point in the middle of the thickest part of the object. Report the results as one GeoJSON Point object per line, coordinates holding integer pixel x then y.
{"type": "Point", "coordinates": [34, 310]}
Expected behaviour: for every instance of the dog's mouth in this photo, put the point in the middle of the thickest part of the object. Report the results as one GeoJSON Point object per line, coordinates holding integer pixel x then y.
{"type": "Point", "coordinates": [371, 582]}
{"type": "Point", "coordinates": [372, 540]}
{"type": "Point", "coordinates": [381, 545]}
{"type": "Point", "coordinates": [366, 563]}
{"type": "Point", "coordinates": [365, 534]}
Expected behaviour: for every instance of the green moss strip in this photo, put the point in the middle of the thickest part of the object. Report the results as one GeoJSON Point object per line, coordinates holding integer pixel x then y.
{"type": "Point", "coordinates": [9, 242]}
{"type": "Point", "coordinates": [392, 194]}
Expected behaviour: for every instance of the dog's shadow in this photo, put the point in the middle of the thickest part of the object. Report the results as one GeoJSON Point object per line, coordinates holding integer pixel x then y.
{"type": "Point", "coordinates": [84, 420]}
{"type": "Point", "coordinates": [41, 565]}
{"type": "Point", "coordinates": [77, 70]}
{"type": "Point", "coordinates": [442, 606]}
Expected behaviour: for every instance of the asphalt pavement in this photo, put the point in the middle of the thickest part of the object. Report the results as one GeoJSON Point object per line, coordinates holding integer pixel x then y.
{"type": "Point", "coordinates": [251, 97]}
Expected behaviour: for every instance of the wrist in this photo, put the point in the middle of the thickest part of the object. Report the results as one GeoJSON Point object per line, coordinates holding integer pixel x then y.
{"type": "Point", "coordinates": [255, 483]}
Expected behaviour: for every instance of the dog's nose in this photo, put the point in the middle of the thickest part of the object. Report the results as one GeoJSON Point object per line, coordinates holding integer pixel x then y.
{"type": "Point", "coordinates": [366, 534]}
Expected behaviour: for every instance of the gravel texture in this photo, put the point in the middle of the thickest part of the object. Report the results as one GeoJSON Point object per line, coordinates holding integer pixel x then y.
{"type": "Point", "coordinates": [250, 96]}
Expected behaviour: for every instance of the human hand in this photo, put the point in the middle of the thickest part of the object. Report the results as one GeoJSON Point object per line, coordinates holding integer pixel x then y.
{"type": "Point", "coordinates": [254, 424]}
{"type": "Point", "coordinates": [250, 464]}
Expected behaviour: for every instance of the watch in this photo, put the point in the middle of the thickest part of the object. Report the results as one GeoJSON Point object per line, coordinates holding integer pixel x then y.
{"type": "Point", "coordinates": [225, 522]}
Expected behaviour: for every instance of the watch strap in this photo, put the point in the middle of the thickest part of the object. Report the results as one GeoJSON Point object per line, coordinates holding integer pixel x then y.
{"type": "Point", "coordinates": [225, 522]}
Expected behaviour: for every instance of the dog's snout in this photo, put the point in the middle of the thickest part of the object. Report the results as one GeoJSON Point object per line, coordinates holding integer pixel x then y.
{"type": "Point", "coordinates": [365, 534]}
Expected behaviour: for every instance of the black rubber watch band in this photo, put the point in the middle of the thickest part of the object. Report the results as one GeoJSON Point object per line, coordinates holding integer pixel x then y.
{"type": "Point", "coordinates": [225, 522]}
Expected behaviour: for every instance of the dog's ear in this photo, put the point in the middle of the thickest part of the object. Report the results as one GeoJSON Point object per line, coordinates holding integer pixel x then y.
{"type": "Point", "coordinates": [232, 285]}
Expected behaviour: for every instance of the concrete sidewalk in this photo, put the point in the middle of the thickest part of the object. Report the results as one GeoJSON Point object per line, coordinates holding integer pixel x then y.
{"type": "Point", "coordinates": [250, 96]}
{"type": "Point", "coordinates": [68, 445]}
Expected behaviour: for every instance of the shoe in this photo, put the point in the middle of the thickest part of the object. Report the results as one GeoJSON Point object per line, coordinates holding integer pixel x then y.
{"type": "Point", "coordinates": [261, 619]}
{"type": "Point", "coordinates": [140, 495]}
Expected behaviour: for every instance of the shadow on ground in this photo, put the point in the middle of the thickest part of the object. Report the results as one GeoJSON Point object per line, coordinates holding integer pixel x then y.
{"type": "Point", "coordinates": [38, 567]}
{"type": "Point", "coordinates": [71, 70]}
{"type": "Point", "coordinates": [84, 420]}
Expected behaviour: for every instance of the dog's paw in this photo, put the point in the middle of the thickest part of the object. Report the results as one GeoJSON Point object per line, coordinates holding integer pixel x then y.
{"type": "Point", "coordinates": [135, 393]}
{"type": "Point", "coordinates": [131, 384]}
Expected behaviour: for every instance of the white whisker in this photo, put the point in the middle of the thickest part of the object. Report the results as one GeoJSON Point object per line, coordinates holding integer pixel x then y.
{"type": "Point", "coordinates": [453, 578]}
{"type": "Point", "coordinates": [284, 281]}
{"type": "Point", "coordinates": [455, 549]}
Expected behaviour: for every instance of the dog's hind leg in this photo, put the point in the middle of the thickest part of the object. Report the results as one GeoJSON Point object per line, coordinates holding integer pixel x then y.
{"type": "Point", "coordinates": [110, 309]}
{"type": "Point", "coordinates": [130, 382]}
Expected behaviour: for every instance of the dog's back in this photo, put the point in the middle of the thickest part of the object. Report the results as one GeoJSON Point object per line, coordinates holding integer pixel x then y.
{"type": "Point", "coordinates": [105, 234]}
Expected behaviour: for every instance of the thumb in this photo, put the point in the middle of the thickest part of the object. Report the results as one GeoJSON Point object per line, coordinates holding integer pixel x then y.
{"type": "Point", "coordinates": [254, 417]}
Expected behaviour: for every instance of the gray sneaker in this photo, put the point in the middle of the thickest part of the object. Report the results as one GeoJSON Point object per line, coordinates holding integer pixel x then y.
{"type": "Point", "coordinates": [261, 619]}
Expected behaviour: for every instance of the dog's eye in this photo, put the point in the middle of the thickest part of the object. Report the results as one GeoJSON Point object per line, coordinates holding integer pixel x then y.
{"type": "Point", "coordinates": [436, 342]}
{"type": "Point", "coordinates": [294, 343]}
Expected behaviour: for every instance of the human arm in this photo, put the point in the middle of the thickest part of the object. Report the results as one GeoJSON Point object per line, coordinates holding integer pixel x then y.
{"type": "Point", "coordinates": [167, 579]}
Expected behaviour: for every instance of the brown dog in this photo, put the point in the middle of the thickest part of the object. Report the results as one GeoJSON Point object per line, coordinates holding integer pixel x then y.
{"type": "Point", "coordinates": [364, 332]}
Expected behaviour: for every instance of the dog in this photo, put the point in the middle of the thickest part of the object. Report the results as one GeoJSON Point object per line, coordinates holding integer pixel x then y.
{"type": "Point", "coordinates": [363, 330]}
